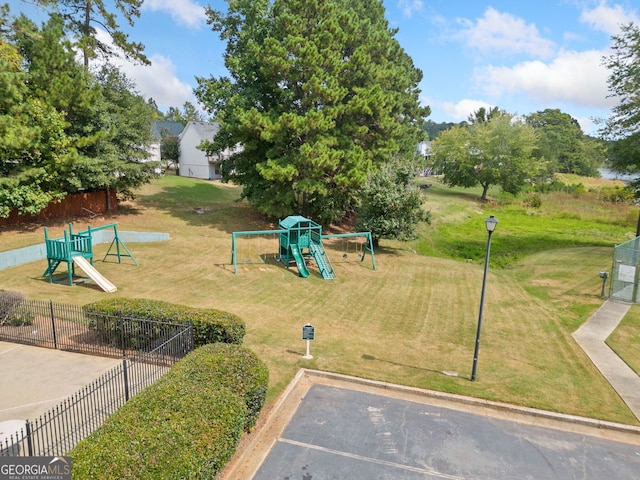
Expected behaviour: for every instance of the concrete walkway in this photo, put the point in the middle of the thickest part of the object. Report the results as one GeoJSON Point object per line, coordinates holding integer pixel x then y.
{"type": "Point", "coordinates": [592, 335]}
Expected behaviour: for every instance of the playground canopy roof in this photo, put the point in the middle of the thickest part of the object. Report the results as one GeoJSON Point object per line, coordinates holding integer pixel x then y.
{"type": "Point", "coordinates": [293, 220]}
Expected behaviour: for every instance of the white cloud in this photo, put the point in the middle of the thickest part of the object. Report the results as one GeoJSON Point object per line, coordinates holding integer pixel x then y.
{"type": "Point", "coordinates": [608, 18]}
{"type": "Point", "coordinates": [504, 32]}
{"type": "Point", "coordinates": [409, 7]}
{"type": "Point", "coordinates": [465, 107]}
{"type": "Point", "coordinates": [185, 12]}
{"type": "Point", "coordinates": [158, 80]}
{"type": "Point", "coordinates": [574, 77]}
{"type": "Point", "coordinates": [588, 125]}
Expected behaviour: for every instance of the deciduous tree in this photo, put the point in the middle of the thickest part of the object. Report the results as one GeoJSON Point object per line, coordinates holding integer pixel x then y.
{"type": "Point", "coordinates": [63, 129]}
{"type": "Point", "coordinates": [189, 113]}
{"type": "Point", "coordinates": [622, 128]}
{"type": "Point", "coordinates": [562, 145]}
{"type": "Point", "coordinates": [391, 204]}
{"type": "Point", "coordinates": [495, 152]}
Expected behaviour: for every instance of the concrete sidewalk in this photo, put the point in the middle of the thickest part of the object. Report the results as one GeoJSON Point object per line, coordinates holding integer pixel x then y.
{"type": "Point", "coordinates": [35, 379]}
{"type": "Point", "coordinates": [591, 337]}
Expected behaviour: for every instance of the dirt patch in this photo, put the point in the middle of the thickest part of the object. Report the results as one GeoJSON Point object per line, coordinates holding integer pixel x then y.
{"type": "Point", "coordinates": [61, 335]}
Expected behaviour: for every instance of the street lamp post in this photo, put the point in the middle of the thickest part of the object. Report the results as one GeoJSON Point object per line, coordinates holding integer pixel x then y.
{"type": "Point", "coordinates": [490, 223]}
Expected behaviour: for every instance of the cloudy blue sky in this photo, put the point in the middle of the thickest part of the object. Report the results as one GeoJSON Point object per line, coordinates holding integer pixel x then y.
{"type": "Point", "coordinates": [522, 56]}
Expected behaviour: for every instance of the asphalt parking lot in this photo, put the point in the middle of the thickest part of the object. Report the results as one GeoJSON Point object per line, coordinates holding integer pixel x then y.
{"type": "Point", "coordinates": [333, 427]}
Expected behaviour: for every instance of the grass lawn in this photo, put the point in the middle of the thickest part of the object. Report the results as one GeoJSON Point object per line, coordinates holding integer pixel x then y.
{"type": "Point", "coordinates": [625, 340]}
{"type": "Point", "coordinates": [412, 321]}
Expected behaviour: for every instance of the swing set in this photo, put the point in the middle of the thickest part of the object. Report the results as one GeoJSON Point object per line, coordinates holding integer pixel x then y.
{"type": "Point", "coordinates": [299, 241]}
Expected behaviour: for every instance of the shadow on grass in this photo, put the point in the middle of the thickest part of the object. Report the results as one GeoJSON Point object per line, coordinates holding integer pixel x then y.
{"type": "Point", "coordinates": [508, 250]}
{"type": "Point", "coordinates": [63, 222]}
{"type": "Point", "coordinates": [443, 192]}
{"type": "Point", "coordinates": [63, 280]}
{"type": "Point", "coordinates": [266, 259]}
{"type": "Point", "coordinates": [390, 362]}
{"type": "Point", "coordinates": [205, 204]}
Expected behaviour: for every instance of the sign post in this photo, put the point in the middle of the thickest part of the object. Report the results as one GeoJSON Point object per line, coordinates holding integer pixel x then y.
{"type": "Point", "coordinates": [308, 334]}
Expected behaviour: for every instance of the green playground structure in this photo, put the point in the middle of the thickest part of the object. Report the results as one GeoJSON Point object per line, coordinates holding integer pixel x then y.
{"type": "Point", "coordinates": [299, 240]}
{"type": "Point", "coordinates": [77, 248]}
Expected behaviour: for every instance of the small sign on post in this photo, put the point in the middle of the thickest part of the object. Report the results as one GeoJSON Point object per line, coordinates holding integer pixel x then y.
{"type": "Point", "coordinates": [308, 334]}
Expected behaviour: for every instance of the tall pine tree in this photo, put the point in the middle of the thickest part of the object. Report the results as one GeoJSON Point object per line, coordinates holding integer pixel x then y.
{"type": "Point", "coordinates": [319, 93]}
{"type": "Point", "coordinates": [80, 20]}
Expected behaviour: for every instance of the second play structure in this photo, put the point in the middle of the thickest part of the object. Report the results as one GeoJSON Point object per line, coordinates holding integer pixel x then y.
{"type": "Point", "coordinates": [299, 240]}
{"type": "Point", "coordinates": [76, 249]}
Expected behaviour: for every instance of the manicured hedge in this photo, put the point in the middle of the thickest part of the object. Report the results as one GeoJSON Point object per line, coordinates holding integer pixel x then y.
{"type": "Point", "coordinates": [237, 369]}
{"type": "Point", "coordinates": [185, 426]}
{"type": "Point", "coordinates": [209, 325]}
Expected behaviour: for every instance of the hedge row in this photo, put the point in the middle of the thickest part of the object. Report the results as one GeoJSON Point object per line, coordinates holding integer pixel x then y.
{"type": "Point", "coordinates": [236, 369]}
{"type": "Point", "coordinates": [209, 325]}
{"type": "Point", "coordinates": [10, 314]}
{"type": "Point", "coordinates": [187, 425]}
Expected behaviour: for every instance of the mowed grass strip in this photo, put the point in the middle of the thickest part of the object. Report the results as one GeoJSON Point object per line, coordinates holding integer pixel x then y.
{"type": "Point", "coordinates": [412, 321]}
{"type": "Point", "coordinates": [625, 340]}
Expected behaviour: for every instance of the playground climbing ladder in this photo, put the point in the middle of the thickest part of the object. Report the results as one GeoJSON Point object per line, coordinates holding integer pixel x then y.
{"type": "Point", "coordinates": [323, 262]}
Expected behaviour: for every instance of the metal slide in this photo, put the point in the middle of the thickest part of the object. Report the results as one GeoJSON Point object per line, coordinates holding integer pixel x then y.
{"type": "Point", "coordinates": [302, 267]}
{"type": "Point", "coordinates": [94, 274]}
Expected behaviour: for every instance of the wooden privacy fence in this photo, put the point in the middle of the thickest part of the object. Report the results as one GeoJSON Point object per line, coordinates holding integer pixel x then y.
{"type": "Point", "coordinates": [85, 204]}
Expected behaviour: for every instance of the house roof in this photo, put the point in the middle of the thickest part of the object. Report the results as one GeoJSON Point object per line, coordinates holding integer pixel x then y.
{"type": "Point", "coordinates": [171, 129]}
{"type": "Point", "coordinates": [205, 131]}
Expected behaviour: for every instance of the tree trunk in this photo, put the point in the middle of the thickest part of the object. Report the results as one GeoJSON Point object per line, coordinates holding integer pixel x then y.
{"type": "Point", "coordinates": [87, 25]}
{"type": "Point", "coordinates": [485, 189]}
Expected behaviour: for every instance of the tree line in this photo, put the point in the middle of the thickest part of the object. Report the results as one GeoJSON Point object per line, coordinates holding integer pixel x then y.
{"type": "Point", "coordinates": [321, 95]}
{"type": "Point", "coordinates": [64, 127]}
{"type": "Point", "coordinates": [499, 148]}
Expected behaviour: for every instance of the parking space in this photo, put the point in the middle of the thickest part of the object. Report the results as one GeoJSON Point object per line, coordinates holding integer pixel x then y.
{"type": "Point", "coordinates": [327, 429]}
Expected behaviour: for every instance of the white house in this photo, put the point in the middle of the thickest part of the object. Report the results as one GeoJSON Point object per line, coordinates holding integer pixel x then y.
{"type": "Point", "coordinates": [424, 150]}
{"type": "Point", "coordinates": [160, 130]}
{"type": "Point", "coordinates": [194, 162]}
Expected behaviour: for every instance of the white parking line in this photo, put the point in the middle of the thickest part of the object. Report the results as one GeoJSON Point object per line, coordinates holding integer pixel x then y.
{"type": "Point", "coordinates": [56, 400]}
{"type": "Point", "coordinates": [431, 473]}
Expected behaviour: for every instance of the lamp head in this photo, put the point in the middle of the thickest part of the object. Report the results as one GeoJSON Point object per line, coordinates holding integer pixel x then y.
{"type": "Point", "coordinates": [491, 223]}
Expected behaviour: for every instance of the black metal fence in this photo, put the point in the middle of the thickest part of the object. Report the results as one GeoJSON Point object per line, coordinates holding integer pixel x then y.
{"type": "Point", "coordinates": [148, 349]}
{"type": "Point", "coordinates": [72, 328]}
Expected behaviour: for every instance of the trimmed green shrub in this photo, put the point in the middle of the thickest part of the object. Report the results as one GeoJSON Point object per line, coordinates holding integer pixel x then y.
{"type": "Point", "coordinates": [173, 429]}
{"type": "Point", "coordinates": [10, 313]}
{"type": "Point", "coordinates": [209, 325]}
{"type": "Point", "coordinates": [186, 426]}
{"type": "Point", "coordinates": [233, 367]}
